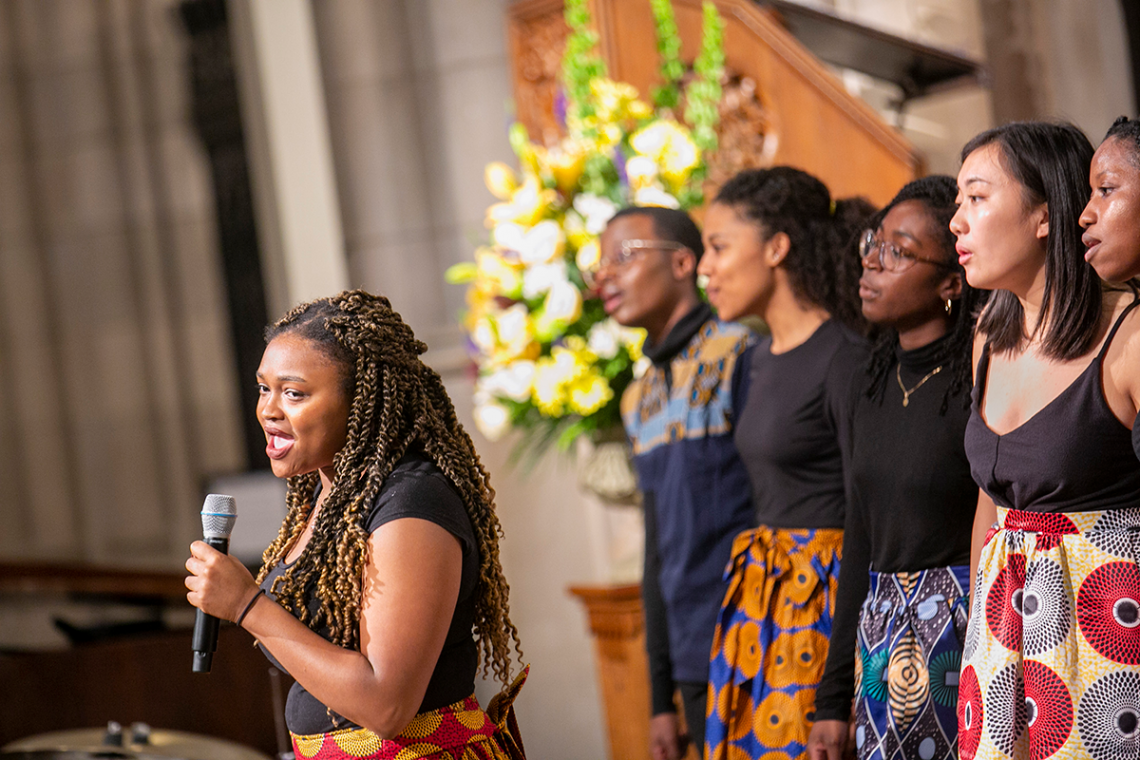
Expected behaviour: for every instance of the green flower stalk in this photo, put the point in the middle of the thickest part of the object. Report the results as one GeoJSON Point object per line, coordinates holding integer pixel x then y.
{"type": "Point", "coordinates": [668, 95]}
{"type": "Point", "coordinates": [705, 91]}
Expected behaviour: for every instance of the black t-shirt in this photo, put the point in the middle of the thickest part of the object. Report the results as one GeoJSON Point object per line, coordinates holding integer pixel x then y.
{"type": "Point", "coordinates": [792, 432]}
{"type": "Point", "coordinates": [911, 502]}
{"type": "Point", "coordinates": [415, 488]}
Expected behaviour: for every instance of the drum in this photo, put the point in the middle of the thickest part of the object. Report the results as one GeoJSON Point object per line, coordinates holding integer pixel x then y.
{"type": "Point", "coordinates": [138, 743]}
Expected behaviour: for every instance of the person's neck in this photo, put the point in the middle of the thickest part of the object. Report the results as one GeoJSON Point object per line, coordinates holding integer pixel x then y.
{"type": "Point", "coordinates": [328, 476]}
{"type": "Point", "coordinates": [790, 321]}
{"type": "Point", "coordinates": [923, 334]}
{"type": "Point", "coordinates": [1031, 296]}
{"type": "Point", "coordinates": [660, 328]}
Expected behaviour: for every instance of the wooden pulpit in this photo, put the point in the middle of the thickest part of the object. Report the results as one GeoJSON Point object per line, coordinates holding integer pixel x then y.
{"type": "Point", "coordinates": [782, 105]}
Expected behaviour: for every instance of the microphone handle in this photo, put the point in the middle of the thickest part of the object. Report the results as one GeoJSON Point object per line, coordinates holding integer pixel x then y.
{"type": "Point", "coordinates": [205, 641]}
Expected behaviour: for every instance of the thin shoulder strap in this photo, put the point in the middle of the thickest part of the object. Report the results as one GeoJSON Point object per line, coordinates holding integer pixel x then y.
{"type": "Point", "coordinates": [1116, 326]}
{"type": "Point", "coordinates": [983, 366]}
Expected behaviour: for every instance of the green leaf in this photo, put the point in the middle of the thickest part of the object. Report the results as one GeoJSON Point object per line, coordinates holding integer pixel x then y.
{"type": "Point", "coordinates": [461, 273]}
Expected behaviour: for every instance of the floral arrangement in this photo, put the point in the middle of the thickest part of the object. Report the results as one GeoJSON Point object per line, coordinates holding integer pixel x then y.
{"type": "Point", "coordinates": [550, 363]}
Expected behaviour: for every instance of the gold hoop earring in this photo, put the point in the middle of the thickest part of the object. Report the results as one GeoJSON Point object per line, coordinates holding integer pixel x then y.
{"type": "Point", "coordinates": [949, 306]}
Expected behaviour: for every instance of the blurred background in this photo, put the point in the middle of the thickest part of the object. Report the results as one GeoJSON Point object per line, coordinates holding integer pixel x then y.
{"type": "Point", "coordinates": [176, 173]}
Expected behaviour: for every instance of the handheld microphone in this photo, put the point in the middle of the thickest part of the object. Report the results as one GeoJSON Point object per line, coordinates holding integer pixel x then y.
{"type": "Point", "coordinates": [218, 515]}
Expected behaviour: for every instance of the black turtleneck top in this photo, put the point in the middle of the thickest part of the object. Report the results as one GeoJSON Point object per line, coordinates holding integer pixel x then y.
{"type": "Point", "coordinates": [911, 498]}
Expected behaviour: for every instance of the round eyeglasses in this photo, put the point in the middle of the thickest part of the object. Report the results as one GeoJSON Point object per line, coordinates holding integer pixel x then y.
{"type": "Point", "coordinates": [624, 252]}
{"type": "Point", "coordinates": [890, 257]}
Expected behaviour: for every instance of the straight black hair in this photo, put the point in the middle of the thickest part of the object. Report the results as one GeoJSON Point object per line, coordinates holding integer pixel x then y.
{"type": "Point", "coordinates": [1051, 163]}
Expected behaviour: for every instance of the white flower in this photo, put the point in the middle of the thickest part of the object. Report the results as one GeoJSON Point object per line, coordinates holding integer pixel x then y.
{"type": "Point", "coordinates": [642, 171]}
{"type": "Point", "coordinates": [640, 366]}
{"type": "Point", "coordinates": [512, 381]}
{"type": "Point", "coordinates": [541, 278]}
{"type": "Point", "coordinates": [588, 256]}
{"type": "Point", "coordinates": [492, 418]}
{"type": "Point", "coordinates": [540, 244]}
{"type": "Point", "coordinates": [655, 196]}
{"type": "Point", "coordinates": [483, 336]}
{"type": "Point", "coordinates": [513, 325]}
{"type": "Point", "coordinates": [596, 210]}
{"type": "Point", "coordinates": [563, 302]}
{"type": "Point", "coordinates": [603, 339]}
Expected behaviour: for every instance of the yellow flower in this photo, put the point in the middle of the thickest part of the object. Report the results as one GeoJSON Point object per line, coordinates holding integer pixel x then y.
{"type": "Point", "coordinates": [527, 205]}
{"type": "Point", "coordinates": [552, 377]}
{"type": "Point", "coordinates": [500, 180]}
{"type": "Point", "coordinates": [618, 101]}
{"type": "Point", "coordinates": [633, 339]}
{"type": "Point", "coordinates": [504, 336]}
{"type": "Point", "coordinates": [496, 275]}
{"type": "Point", "coordinates": [589, 394]}
{"type": "Point", "coordinates": [566, 163]}
{"type": "Point", "coordinates": [671, 147]}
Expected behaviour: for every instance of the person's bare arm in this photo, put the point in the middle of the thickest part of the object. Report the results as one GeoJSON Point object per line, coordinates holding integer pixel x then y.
{"type": "Point", "coordinates": [411, 584]}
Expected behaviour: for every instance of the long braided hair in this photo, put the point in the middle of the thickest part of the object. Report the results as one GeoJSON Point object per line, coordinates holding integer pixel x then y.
{"type": "Point", "coordinates": [397, 404]}
{"type": "Point", "coordinates": [937, 194]}
{"type": "Point", "coordinates": [821, 263]}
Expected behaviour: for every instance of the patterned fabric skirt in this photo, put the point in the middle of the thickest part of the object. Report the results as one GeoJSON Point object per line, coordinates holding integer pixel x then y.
{"type": "Point", "coordinates": [1051, 666]}
{"type": "Point", "coordinates": [770, 642]}
{"type": "Point", "coordinates": [459, 731]}
{"type": "Point", "coordinates": [906, 675]}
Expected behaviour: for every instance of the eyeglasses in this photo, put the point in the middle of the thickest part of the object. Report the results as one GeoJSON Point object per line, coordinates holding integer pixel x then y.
{"type": "Point", "coordinates": [890, 257]}
{"type": "Point", "coordinates": [627, 249]}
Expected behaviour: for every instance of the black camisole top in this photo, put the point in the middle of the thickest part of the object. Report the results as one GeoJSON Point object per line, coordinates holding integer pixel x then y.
{"type": "Point", "coordinates": [1072, 456]}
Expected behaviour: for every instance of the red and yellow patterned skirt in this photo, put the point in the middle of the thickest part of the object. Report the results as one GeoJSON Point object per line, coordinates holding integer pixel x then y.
{"type": "Point", "coordinates": [459, 731]}
{"type": "Point", "coordinates": [1051, 664]}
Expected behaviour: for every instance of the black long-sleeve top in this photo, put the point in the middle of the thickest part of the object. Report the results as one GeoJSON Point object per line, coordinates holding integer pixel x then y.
{"type": "Point", "coordinates": [911, 499]}
{"type": "Point", "coordinates": [793, 431]}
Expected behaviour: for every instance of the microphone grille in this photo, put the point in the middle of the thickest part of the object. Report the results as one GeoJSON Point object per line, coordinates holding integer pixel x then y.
{"type": "Point", "coordinates": [219, 512]}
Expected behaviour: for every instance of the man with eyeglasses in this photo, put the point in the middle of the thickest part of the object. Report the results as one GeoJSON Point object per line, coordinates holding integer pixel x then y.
{"type": "Point", "coordinates": [679, 417]}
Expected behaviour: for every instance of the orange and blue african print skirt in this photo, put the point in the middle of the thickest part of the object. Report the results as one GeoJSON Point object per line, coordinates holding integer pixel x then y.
{"type": "Point", "coordinates": [910, 637]}
{"type": "Point", "coordinates": [770, 642]}
{"type": "Point", "coordinates": [1051, 664]}
{"type": "Point", "coordinates": [460, 731]}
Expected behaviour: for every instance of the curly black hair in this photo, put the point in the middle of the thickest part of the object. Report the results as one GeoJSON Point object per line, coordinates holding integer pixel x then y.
{"type": "Point", "coordinates": [821, 263]}
{"type": "Point", "coordinates": [937, 193]}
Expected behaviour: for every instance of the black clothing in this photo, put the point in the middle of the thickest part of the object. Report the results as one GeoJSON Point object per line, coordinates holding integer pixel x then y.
{"type": "Point", "coordinates": [911, 499]}
{"type": "Point", "coordinates": [1072, 456]}
{"type": "Point", "coordinates": [415, 488]}
{"type": "Point", "coordinates": [1136, 436]}
{"type": "Point", "coordinates": [694, 698]}
{"type": "Point", "coordinates": [792, 434]}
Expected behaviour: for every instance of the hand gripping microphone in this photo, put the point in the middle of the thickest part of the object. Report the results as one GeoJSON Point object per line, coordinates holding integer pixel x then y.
{"type": "Point", "coordinates": [218, 515]}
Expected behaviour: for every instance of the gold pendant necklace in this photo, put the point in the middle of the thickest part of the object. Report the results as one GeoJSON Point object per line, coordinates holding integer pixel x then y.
{"type": "Point", "coordinates": [906, 393]}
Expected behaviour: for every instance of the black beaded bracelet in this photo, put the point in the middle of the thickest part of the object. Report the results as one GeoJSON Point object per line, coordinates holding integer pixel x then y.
{"type": "Point", "coordinates": [248, 607]}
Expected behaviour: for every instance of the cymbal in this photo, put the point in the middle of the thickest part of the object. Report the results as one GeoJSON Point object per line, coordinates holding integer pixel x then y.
{"type": "Point", "coordinates": [83, 743]}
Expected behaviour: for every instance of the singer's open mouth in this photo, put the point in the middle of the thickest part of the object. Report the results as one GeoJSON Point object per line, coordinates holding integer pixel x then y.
{"type": "Point", "coordinates": [279, 445]}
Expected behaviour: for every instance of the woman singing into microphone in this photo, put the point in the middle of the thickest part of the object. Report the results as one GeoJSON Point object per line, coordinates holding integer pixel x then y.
{"type": "Point", "coordinates": [382, 592]}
